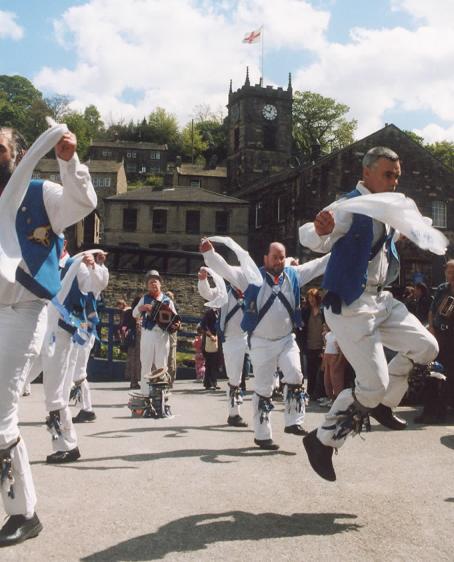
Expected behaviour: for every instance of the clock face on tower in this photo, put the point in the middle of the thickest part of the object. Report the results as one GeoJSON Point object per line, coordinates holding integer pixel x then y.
{"type": "Point", "coordinates": [269, 112]}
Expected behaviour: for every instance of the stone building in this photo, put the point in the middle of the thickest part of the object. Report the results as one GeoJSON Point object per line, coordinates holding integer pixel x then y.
{"type": "Point", "coordinates": [173, 218]}
{"type": "Point", "coordinates": [193, 175]}
{"type": "Point", "coordinates": [140, 158]}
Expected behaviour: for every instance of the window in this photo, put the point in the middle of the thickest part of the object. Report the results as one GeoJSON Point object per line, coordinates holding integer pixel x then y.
{"type": "Point", "coordinates": [195, 183]}
{"type": "Point", "coordinates": [269, 137]}
{"type": "Point", "coordinates": [439, 214]}
{"type": "Point", "coordinates": [258, 214]}
{"type": "Point", "coordinates": [282, 208]}
{"type": "Point", "coordinates": [107, 181]}
{"type": "Point", "coordinates": [54, 177]}
{"type": "Point", "coordinates": [131, 154]}
{"type": "Point", "coordinates": [130, 220]}
{"type": "Point", "coordinates": [236, 139]}
{"type": "Point", "coordinates": [159, 224]}
{"type": "Point", "coordinates": [35, 176]}
{"type": "Point", "coordinates": [131, 167]}
{"type": "Point", "coordinates": [154, 155]}
{"type": "Point", "coordinates": [222, 222]}
{"type": "Point", "coordinates": [192, 222]}
{"type": "Point", "coordinates": [107, 154]}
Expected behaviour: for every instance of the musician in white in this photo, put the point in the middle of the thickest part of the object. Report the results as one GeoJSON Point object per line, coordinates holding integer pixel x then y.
{"type": "Point", "coordinates": [234, 342]}
{"type": "Point", "coordinates": [155, 341]}
{"type": "Point", "coordinates": [362, 315]}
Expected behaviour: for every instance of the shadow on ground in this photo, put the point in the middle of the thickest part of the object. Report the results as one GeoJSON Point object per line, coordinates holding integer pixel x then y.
{"type": "Point", "coordinates": [173, 431]}
{"type": "Point", "coordinates": [196, 532]}
{"type": "Point", "coordinates": [447, 441]}
{"type": "Point", "coordinates": [205, 455]}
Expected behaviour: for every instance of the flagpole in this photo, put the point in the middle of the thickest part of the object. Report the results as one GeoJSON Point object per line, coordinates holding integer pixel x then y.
{"type": "Point", "coordinates": [261, 65]}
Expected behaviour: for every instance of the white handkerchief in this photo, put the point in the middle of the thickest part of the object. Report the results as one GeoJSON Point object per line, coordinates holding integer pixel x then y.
{"type": "Point", "coordinates": [401, 213]}
{"type": "Point", "coordinates": [221, 297]}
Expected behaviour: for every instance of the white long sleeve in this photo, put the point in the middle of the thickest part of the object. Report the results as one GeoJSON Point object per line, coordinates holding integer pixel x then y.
{"type": "Point", "coordinates": [205, 291]}
{"type": "Point", "coordinates": [311, 269]}
{"type": "Point", "coordinates": [232, 274]}
{"type": "Point", "coordinates": [70, 202]}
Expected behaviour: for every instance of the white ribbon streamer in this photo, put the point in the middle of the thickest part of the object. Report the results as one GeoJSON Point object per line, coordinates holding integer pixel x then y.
{"type": "Point", "coordinates": [400, 212]}
{"type": "Point", "coordinates": [248, 266]}
{"type": "Point", "coordinates": [14, 193]}
{"type": "Point", "coordinates": [221, 297]}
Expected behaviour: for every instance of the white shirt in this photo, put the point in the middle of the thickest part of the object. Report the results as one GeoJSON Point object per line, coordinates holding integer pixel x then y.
{"type": "Point", "coordinates": [136, 312]}
{"type": "Point", "coordinates": [65, 205]}
{"type": "Point", "coordinates": [331, 346]}
{"type": "Point", "coordinates": [234, 324]}
{"type": "Point", "coordinates": [378, 266]}
{"type": "Point", "coordinates": [276, 323]}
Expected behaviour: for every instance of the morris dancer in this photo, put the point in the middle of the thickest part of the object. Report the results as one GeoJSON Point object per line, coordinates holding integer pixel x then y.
{"type": "Point", "coordinates": [234, 341]}
{"type": "Point", "coordinates": [34, 214]}
{"type": "Point", "coordinates": [59, 362]}
{"type": "Point", "coordinates": [155, 341]}
{"type": "Point", "coordinates": [272, 312]}
{"type": "Point", "coordinates": [363, 316]}
{"type": "Point", "coordinates": [81, 390]}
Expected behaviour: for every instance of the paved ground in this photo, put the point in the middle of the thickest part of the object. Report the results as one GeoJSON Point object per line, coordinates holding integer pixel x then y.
{"type": "Point", "coordinates": [192, 488]}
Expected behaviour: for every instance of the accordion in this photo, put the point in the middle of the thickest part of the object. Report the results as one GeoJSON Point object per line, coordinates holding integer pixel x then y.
{"type": "Point", "coordinates": [163, 315]}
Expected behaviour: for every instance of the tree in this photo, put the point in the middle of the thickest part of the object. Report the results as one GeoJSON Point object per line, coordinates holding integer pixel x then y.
{"type": "Point", "coordinates": [444, 151]}
{"type": "Point", "coordinates": [415, 137]}
{"type": "Point", "coordinates": [163, 129]}
{"type": "Point", "coordinates": [94, 122]}
{"type": "Point", "coordinates": [21, 106]}
{"type": "Point", "coordinates": [193, 145]}
{"type": "Point", "coordinates": [320, 120]}
{"type": "Point", "coordinates": [78, 125]}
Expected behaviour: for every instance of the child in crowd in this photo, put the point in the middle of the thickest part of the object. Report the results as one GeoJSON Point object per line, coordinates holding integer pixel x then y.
{"type": "Point", "coordinates": [199, 357]}
{"type": "Point", "coordinates": [333, 366]}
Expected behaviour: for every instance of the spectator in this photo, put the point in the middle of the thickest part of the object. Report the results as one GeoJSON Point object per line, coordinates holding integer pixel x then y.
{"type": "Point", "coordinates": [409, 299]}
{"type": "Point", "coordinates": [211, 350]}
{"type": "Point", "coordinates": [130, 330]}
{"type": "Point", "coordinates": [313, 343]}
{"type": "Point", "coordinates": [199, 357]}
{"type": "Point", "coordinates": [333, 368]}
{"type": "Point", "coordinates": [172, 362]}
{"type": "Point", "coordinates": [423, 303]}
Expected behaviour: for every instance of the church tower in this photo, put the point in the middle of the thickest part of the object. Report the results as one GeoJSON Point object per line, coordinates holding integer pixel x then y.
{"type": "Point", "coordinates": [259, 124]}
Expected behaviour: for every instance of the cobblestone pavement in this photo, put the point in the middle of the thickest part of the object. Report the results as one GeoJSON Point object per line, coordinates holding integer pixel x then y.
{"type": "Point", "coordinates": [192, 488]}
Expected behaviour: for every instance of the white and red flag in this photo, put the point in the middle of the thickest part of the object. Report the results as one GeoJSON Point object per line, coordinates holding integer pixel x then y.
{"type": "Point", "coordinates": [253, 36]}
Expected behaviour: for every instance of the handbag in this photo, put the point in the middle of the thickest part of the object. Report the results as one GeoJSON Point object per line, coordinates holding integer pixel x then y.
{"type": "Point", "coordinates": [211, 345]}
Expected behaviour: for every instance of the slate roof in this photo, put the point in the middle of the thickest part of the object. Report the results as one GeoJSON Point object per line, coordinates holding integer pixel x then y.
{"type": "Point", "coordinates": [177, 195]}
{"type": "Point", "coordinates": [194, 170]}
{"type": "Point", "coordinates": [128, 144]}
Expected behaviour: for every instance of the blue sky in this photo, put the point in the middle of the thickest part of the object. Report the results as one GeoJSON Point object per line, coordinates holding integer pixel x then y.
{"type": "Point", "coordinates": [388, 60]}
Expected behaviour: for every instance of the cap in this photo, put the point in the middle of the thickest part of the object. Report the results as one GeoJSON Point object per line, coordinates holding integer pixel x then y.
{"type": "Point", "coordinates": [152, 273]}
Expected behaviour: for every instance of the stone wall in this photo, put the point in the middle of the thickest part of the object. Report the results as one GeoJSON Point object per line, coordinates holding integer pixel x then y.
{"type": "Point", "coordinates": [129, 285]}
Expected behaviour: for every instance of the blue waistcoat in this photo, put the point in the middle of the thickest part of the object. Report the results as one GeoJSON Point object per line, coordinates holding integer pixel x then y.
{"type": "Point", "coordinates": [40, 246]}
{"type": "Point", "coordinates": [75, 303]}
{"type": "Point", "coordinates": [252, 316]}
{"type": "Point", "coordinates": [147, 322]}
{"type": "Point", "coordinates": [346, 273]}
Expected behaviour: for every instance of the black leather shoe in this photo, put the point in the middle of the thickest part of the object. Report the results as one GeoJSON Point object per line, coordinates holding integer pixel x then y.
{"type": "Point", "coordinates": [267, 444]}
{"type": "Point", "coordinates": [296, 430]}
{"type": "Point", "coordinates": [320, 456]}
{"type": "Point", "coordinates": [84, 416]}
{"type": "Point", "coordinates": [18, 529]}
{"type": "Point", "coordinates": [384, 415]}
{"type": "Point", "coordinates": [63, 456]}
{"type": "Point", "coordinates": [236, 421]}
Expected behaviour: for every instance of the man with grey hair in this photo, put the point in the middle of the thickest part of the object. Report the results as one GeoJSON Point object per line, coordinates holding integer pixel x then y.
{"type": "Point", "coordinates": [362, 315]}
{"type": "Point", "coordinates": [45, 211]}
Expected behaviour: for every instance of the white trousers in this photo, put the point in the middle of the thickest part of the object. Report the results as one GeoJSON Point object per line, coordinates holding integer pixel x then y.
{"type": "Point", "coordinates": [234, 348]}
{"type": "Point", "coordinates": [361, 330]}
{"type": "Point", "coordinates": [22, 329]}
{"type": "Point", "coordinates": [154, 353]}
{"type": "Point", "coordinates": [78, 366]}
{"type": "Point", "coordinates": [266, 356]}
{"type": "Point", "coordinates": [57, 379]}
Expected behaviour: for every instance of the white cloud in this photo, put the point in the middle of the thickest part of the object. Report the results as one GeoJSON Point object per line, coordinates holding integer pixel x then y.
{"type": "Point", "coordinates": [384, 69]}
{"type": "Point", "coordinates": [176, 54]}
{"type": "Point", "coordinates": [9, 29]}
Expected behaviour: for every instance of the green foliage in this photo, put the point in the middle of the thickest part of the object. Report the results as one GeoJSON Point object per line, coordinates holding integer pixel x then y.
{"type": "Point", "coordinates": [444, 151]}
{"type": "Point", "coordinates": [163, 128]}
{"type": "Point", "coordinates": [320, 120]}
{"type": "Point", "coordinates": [192, 142]}
{"type": "Point", "coordinates": [415, 137]}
